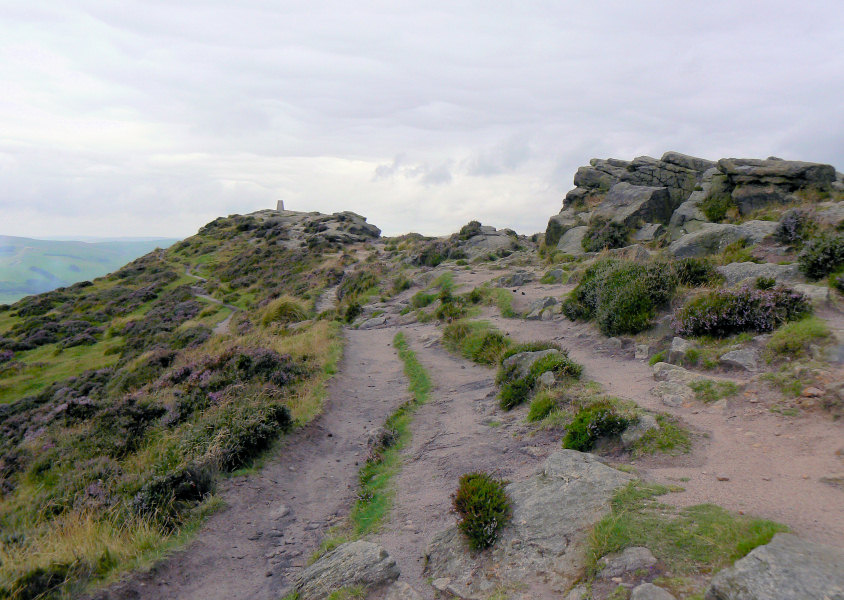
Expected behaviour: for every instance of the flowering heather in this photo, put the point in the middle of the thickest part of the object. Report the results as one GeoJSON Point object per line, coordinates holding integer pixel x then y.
{"type": "Point", "coordinates": [724, 312]}
{"type": "Point", "coordinates": [6, 356]}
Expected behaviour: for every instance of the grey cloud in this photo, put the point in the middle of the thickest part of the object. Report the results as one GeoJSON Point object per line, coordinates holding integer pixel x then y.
{"type": "Point", "coordinates": [164, 110]}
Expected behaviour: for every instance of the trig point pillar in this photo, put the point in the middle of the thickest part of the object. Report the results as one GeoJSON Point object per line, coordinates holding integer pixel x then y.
{"type": "Point", "coordinates": [280, 206]}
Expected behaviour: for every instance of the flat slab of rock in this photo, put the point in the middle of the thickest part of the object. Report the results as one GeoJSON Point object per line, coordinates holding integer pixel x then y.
{"type": "Point", "coordinates": [787, 568]}
{"type": "Point", "coordinates": [649, 591]}
{"type": "Point", "coordinates": [736, 273]}
{"type": "Point", "coordinates": [355, 564]}
{"type": "Point", "coordinates": [544, 542]}
{"type": "Point", "coordinates": [374, 322]}
{"type": "Point", "coordinates": [746, 359]}
{"type": "Point", "coordinates": [714, 237]}
{"type": "Point", "coordinates": [630, 560]}
{"type": "Point", "coordinates": [628, 204]}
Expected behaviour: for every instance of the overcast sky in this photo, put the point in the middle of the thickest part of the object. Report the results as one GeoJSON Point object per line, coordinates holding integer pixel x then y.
{"type": "Point", "coordinates": [153, 117]}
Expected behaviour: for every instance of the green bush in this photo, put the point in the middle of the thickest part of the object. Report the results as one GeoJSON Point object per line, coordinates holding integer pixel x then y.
{"type": "Point", "coordinates": [484, 508]}
{"type": "Point", "coordinates": [622, 296]}
{"type": "Point", "coordinates": [724, 312]}
{"type": "Point", "coordinates": [604, 234]}
{"type": "Point", "coordinates": [592, 423]}
{"type": "Point", "coordinates": [694, 272]}
{"type": "Point", "coordinates": [717, 206]}
{"type": "Point", "coordinates": [822, 255]}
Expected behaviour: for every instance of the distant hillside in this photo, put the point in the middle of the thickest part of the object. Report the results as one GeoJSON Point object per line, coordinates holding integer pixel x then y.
{"type": "Point", "coordinates": [29, 266]}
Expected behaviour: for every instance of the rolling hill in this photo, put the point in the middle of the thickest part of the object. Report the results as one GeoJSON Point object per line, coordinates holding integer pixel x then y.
{"type": "Point", "coordinates": [30, 266]}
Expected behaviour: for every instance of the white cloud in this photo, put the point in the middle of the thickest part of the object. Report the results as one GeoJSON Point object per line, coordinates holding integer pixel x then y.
{"type": "Point", "coordinates": [151, 118]}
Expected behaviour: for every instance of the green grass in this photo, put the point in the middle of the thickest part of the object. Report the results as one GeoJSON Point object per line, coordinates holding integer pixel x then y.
{"type": "Point", "coordinates": [658, 357]}
{"type": "Point", "coordinates": [503, 299]}
{"type": "Point", "coordinates": [29, 266]}
{"type": "Point", "coordinates": [708, 390]}
{"type": "Point", "coordinates": [44, 366]}
{"type": "Point", "coordinates": [444, 282]}
{"type": "Point", "coordinates": [698, 539]}
{"type": "Point", "coordinates": [670, 438]}
{"type": "Point", "coordinates": [792, 340]}
{"type": "Point", "coordinates": [478, 341]}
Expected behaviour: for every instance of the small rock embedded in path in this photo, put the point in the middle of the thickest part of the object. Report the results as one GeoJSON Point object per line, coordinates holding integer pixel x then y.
{"type": "Point", "coordinates": [722, 478]}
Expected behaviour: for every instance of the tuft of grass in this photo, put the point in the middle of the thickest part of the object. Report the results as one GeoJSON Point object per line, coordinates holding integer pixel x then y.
{"type": "Point", "coordinates": [541, 406]}
{"type": "Point", "coordinates": [792, 340]}
{"type": "Point", "coordinates": [477, 341]}
{"type": "Point", "coordinates": [658, 357]}
{"type": "Point", "coordinates": [708, 390]}
{"type": "Point", "coordinates": [484, 508]}
{"type": "Point", "coordinates": [284, 309]}
{"type": "Point", "coordinates": [698, 539]}
{"type": "Point", "coordinates": [670, 438]}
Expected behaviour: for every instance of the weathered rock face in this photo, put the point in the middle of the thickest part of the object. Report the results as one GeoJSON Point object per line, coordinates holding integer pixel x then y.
{"type": "Point", "coordinates": [352, 564]}
{"type": "Point", "coordinates": [543, 545]}
{"type": "Point", "coordinates": [759, 183]}
{"type": "Point", "coordinates": [635, 191]}
{"type": "Point", "coordinates": [314, 229]}
{"type": "Point", "coordinates": [736, 273]}
{"type": "Point", "coordinates": [632, 204]}
{"type": "Point", "coordinates": [714, 237]}
{"type": "Point", "coordinates": [787, 568]}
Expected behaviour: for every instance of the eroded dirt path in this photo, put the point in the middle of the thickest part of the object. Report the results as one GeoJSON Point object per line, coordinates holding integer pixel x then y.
{"type": "Point", "coordinates": [460, 430]}
{"type": "Point", "coordinates": [745, 458]}
{"type": "Point", "coordinates": [275, 518]}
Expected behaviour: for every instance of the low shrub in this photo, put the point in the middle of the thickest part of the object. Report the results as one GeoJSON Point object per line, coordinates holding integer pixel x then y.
{"type": "Point", "coordinates": [658, 357]}
{"type": "Point", "coordinates": [717, 206]}
{"type": "Point", "coordinates": [604, 234]}
{"type": "Point", "coordinates": [694, 272]}
{"type": "Point", "coordinates": [765, 283]}
{"type": "Point", "coordinates": [795, 226]}
{"type": "Point", "coordinates": [483, 506]}
{"type": "Point", "coordinates": [837, 282]}
{"type": "Point", "coordinates": [165, 498]}
{"type": "Point", "coordinates": [592, 423]}
{"type": "Point", "coordinates": [351, 311]}
{"type": "Point", "coordinates": [822, 255]}
{"type": "Point", "coordinates": [622, 296]}
{"type": "Point", "coordinates": [724, 312]}
{"type": "Point", "coordinates": [284, 309]}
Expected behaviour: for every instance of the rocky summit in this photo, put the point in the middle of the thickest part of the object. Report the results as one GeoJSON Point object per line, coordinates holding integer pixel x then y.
{"type": "Point", "coordinates": [644, 402]}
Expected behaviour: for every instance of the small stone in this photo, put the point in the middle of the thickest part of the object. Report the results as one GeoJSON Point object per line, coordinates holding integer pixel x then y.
{"type": "Point", "coordinates": [834, 479]}
{"type": "Point", "coordinates": [648, 591]}
{"type": "Point", "coordinates": [631, 559]}
{"type": "Point", "coordinates": [812, 392]}
{"type": "Point", "coordinates": [280, 512]}
{"type": "Point", "coordinates": [441, 584]}
{"type": "Point", "coordinates": [722, 478]}
{"type": "Point", "coordinates": [642, 352]}
{"type": "Point", "coordinates": [614, 343]}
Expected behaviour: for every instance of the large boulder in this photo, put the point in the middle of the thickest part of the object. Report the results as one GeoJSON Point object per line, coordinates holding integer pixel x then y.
{"type": "Point", "coordinates": [735, 273]}
{"type": "Point", "coordinates": [631, 204]}
{"type": "Point", "coordinates": [543, 545]}
{"type": "Point", "coordinates": [523, 361]}
{"type": "Point", "coordinates": [714, 237]}
{"type": "Point", "coordinates": [559, 224]}
{"type": "Point", "coordinates": [354, 564]}
{"type": "Point", "coordinates": [787, 568]}
{"type": "Point", "coordinates": [760, 183]}
{"type": "Point", "coordinates": [572, 241]}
